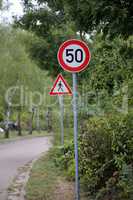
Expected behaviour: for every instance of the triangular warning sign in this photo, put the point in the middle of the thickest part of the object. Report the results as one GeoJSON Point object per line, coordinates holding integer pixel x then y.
{"type": "Point", "coordinates": [60, 87]}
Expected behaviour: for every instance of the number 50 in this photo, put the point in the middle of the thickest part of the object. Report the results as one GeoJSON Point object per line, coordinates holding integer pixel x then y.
{"type": "Point", "coordinates": [72, 55]}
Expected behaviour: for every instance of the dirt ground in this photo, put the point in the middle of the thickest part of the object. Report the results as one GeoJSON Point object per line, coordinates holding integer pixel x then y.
{"type": "Point", "coordinates": [64, 190]}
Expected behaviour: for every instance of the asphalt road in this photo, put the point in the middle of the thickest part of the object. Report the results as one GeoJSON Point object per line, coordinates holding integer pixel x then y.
{"type": "Point", "coordinates": [16, 154]}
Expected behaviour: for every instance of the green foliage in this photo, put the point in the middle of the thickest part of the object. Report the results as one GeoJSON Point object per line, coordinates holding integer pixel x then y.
{"type": "Point", "coordinates": [50, 33]}
{"type": "Point", "coordinates": [106, 146]}
{"type": "Point", "coordinates": [64, 159]}
{"type": "Point", "coordinates": [118, 187]}
{"type": "Point", "coordinates": [112, 17]}
{"type": "Point", "coordinates": [55, 21]}
{"type": "Point", "coordinates": [111, 64]}
{"type": "Point", "coordinates": [18, 70]}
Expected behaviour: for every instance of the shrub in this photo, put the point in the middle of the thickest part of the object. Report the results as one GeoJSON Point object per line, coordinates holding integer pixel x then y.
{"type": "Point", "coordinates": [105, 146]}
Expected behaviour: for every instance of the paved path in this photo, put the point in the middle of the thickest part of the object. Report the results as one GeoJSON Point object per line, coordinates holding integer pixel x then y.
{"type": "Point", "coordinates": [16, 154]}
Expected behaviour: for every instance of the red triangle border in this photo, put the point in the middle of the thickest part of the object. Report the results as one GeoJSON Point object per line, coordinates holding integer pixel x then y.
{"type": "Point", "coordinates": [65, 83]}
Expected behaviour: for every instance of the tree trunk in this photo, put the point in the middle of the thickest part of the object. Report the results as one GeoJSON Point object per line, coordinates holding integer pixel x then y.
{"type": "Point", "coordinates": [31, 123]}
{"type": "Point", "coordinates": [82, 36]}
{"type": "Point", "coordinates": [49, 119]}
{"type": "Point", "coordinates": [7, 133]}
{"type": "Point", "coordinates": [7, 122]}
{"type": "Point", "coordinates": [37, 120]}
{"type": "Point", "coordinates": [19, 123]}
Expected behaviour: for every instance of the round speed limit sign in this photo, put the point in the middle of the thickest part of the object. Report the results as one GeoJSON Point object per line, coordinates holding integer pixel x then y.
{"type": "Point", "coordinates": [74, 55]}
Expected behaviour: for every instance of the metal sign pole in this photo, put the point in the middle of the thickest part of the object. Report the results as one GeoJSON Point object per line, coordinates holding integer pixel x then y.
{"type": "Point", "coordinates": [74, 59]}
{"type": "Point", "coordinates": [77, 188]}
{"type": "Point", "coordinates": [61, 102]}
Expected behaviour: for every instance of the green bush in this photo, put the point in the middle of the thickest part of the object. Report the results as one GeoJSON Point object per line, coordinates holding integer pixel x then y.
{"type": "Point", "coordinates": [64, 159]}
{"type": "Point", "coordinates": [106, 146]}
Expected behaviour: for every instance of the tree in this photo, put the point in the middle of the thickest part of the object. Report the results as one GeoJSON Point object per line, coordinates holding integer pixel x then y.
{"type": "Point", "coordinates": [17, 72]}
{"type": "Point", "coordinates": [111, 64]}
{"type": "Point", "coordinates": [112, 17]}
{"type": "Point", "coordinates": [50, 30]}
{"type": "Point", "coordinates": [55, 21]}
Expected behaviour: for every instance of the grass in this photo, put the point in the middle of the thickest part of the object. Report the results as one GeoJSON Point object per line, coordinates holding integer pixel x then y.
{"type": "Point", "coordinates": [47, 181]}
{"type": "Point", "coordinates": [43, 179]}
{"type": "Point", "coordinates": [68, 135]}
{"type": "Point", "coordinates": [25, 134]}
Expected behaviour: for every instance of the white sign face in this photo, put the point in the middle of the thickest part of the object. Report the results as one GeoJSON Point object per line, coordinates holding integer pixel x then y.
{"type": "Point", "coordinates": [74, 55]}
{"type": "Point", "coordinates": [60, 87]}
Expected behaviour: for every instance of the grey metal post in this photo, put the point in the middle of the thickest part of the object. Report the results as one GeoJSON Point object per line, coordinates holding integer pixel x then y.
{"type": "Point", "coordinates": [61, 102]}
{"type": "Point", "coordinates": [75, 112]}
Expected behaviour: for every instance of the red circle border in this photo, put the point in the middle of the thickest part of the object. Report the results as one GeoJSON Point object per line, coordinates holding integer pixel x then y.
{"type": "Point", "coordinates": [83, 65]}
